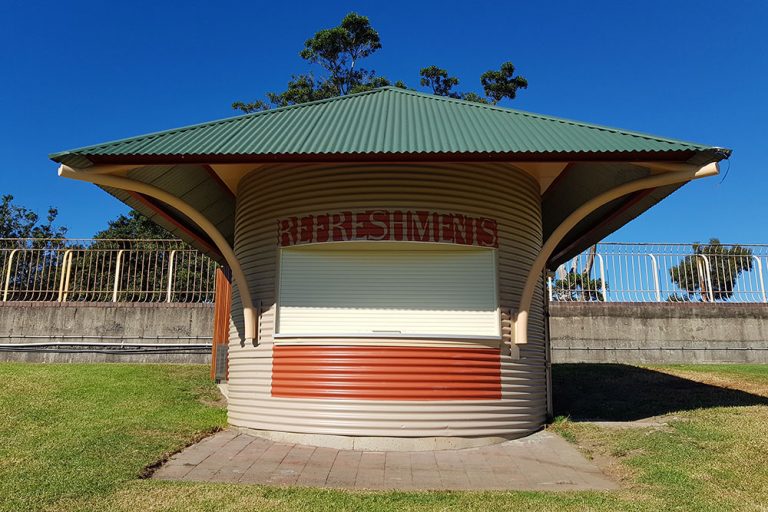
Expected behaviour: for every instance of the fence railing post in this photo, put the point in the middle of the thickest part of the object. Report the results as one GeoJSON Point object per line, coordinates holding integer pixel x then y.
{"type": "Point", "coordinates": [603, 287]}
{"type": "Point", "coordinates": [169, 292]}
{"type": "Point", "coordinates": [7, 282]}
{"type": "Point", "coordinates": [705, 278]}
{"type": "Point", "coordinates": [760, 276]}
{"type": "Point", "coordinates": [116, 287]}
{"type": "Point", "coordinates": [66, 266]}
{"type": "Point", "coordinates": [656, 285]}
{"type": "Point", "coordinates": [708, 268]}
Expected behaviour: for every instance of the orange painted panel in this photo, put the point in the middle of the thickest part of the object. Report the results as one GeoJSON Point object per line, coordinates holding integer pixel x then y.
{"type": "Point", "coordinates": [222, 306]}
{"type": "Point", "coordinates": [386, 373]}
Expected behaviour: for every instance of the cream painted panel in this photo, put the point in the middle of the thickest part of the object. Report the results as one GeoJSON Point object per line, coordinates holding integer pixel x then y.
{"type": "Point", "coordinates": [499, 191]}
{"type": "Point", "coordinates": [409, 291]}
{"type": "Point", "coordinates": [372, 321]}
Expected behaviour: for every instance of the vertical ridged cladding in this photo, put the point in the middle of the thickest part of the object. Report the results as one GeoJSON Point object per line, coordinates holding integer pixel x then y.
{"type": "Point", "coordinates": [491, 190]}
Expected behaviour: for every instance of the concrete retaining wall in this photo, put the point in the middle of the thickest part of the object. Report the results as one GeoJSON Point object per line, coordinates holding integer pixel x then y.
{"type": "Point", "coordinates": [150, 324]}
{"type": "Point", "coordinates": [659, 333]}
{"type": "Point", "coordinates": [596, 333]}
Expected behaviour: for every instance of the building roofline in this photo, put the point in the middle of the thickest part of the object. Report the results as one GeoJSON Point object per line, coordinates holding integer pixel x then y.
{"type": "Point", "coordinates": [87, 151]}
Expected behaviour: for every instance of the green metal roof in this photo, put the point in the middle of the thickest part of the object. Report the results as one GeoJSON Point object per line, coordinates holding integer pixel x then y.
{"type": "Point", "coordinates": [387, 122]}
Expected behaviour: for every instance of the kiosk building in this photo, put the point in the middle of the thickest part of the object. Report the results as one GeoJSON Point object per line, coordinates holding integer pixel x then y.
{"type": "Point", "coordinates": [386, 251]}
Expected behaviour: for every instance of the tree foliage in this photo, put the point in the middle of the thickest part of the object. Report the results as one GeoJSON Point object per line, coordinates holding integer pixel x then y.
{"type": "Point", "coordinates": [497, 85]}
{"type": "Point", "coordinates": [502, 83]}
{"type": "Point", "coordinates": [438, 80]}
{"type": "Point", "coordinates": [37, 240]}
{"type": "Point", "coordinates": [578, 286]}
{"type": "Point", "coordinates": [19, 222]}
{"type": "Point", "coordinates": [712, 264]}
{"type": "Point", "coordinates": [337, 51]}
{"type": "Point", "coordinates": [131, 227]}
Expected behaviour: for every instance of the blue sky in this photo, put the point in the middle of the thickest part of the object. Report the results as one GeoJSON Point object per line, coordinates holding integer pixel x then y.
{"type": "Point", "coordinates": [81, 72]}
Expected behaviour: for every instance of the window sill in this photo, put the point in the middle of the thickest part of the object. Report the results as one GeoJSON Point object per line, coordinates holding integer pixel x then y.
{"type": "Point", "coordinates": [385, 335]}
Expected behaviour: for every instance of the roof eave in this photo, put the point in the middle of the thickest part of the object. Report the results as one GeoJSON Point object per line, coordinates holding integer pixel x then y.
{"type": "Point", "coordinates": [709, 155]}
{"type": "Point", "coordinates": [700, 157]}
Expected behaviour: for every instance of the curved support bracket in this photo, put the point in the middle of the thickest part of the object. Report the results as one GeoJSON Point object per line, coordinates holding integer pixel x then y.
{"type": "Point", "coordinates": [687, 173]}
{"type": "Point", "coordinates": [250, 312]}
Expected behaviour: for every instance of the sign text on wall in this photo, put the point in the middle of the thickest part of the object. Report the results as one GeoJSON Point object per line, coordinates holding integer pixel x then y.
{"type": "Point", "coordinates": [389, 225]}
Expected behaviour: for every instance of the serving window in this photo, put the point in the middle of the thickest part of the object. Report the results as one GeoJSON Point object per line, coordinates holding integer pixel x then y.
{"type": "Point", "coordinates": [387, 289]}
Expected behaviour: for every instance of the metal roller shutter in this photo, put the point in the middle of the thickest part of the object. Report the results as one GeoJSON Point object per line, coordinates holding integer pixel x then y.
{"type": "Point", "coordinates": [388, 289]}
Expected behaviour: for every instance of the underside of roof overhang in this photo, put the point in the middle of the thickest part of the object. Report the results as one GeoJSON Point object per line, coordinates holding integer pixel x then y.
{"type": "Point", "coordinates": [211, 190]}
{"type": "Point", "coordinates": [197, 185]}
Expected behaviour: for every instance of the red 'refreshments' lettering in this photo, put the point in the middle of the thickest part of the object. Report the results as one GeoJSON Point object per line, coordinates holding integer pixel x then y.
{"type": "Point", "coordinates": [389, 225]}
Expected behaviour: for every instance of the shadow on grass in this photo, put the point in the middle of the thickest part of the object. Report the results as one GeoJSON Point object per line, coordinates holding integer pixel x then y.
{"type": "Point", "coordinates": [618, 392]}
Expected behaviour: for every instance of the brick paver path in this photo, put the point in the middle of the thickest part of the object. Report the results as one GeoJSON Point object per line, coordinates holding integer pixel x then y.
{"type": "Point", "coordinates": [542, 461]}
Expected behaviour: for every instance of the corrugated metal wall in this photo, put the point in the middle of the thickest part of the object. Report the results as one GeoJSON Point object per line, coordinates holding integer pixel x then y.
{"type": "Point", "coordinates": [491, 190]}
{"type": "Point", "coordinates": [386, 372]}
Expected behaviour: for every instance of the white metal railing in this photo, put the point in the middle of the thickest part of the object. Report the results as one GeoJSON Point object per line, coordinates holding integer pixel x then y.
{"type": "Point", "coordinates": [622, 272]}
{"type": "Point", "coordinates": [86, 270]}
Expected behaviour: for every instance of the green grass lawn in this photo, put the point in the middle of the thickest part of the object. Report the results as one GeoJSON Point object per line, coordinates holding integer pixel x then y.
{"type": "Point", "coordinates": [78, 437]}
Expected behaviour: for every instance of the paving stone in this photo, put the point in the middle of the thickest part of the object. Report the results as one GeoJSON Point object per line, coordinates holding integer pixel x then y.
{"type": "Point", "coordinates": [423, 461]}
{"type": "Point", "coordinates": [291, 466]}
{"type": "Point", "coordinates": [318, 467]}
{"type": "Point", "coordinates": [173, 471]}
{"type": "Point", "coordinates": [428, 480]}
{"type": "Point", "coordinates": [234, 470]}
{"type": "Point", "coordinates": [509, 475]}
{"type": "Point", "coordinates": [479, 473]}
{"type": "Point", "coordinates": [268, 462]}
{"type": "Point", "coordinates": [219, 458]}
{"type": "Point", "coordinates": [370, 472]}
{"type": "Point", "coordinates": [344, 470]}
{"type": "Point", "coordinates": [397, 470]}
{"type": "Point", "coordinates": [197, 453]}
{"type": "Point", "coordinates": [543, 461]}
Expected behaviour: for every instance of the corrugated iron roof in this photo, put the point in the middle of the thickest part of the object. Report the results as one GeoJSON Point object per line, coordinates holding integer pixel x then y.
{"type": "Point", "coordinates": [384, 121]}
